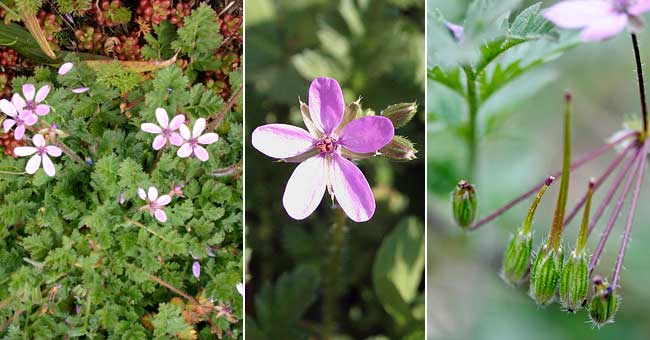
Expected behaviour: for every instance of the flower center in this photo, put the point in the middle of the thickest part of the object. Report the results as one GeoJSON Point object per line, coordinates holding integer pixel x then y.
{"type": "Point", "coordinates": [40, 150]}
{"type": "Point", "coordinates": [326, 145]}
{"type": "Point", "coordinates": [621, 6]}
{"type": "Point", "coordinates": [153, 205]}
{"type": "Point", "coordinates": [192, 141]}
{"type": "Point", "coordinates": [166, 132]}
{"type": "Point", "coordinates": [31, 105]}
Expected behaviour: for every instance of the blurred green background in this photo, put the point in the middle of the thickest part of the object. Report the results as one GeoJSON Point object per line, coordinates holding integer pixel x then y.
{"type": "Point", "coordinates": [375, 49]}
{"type": "Point", "coordinates": [467, 299]}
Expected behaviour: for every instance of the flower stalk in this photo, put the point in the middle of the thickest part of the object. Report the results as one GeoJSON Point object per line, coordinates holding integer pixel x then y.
{"type": "Point", "coordinates": [472, 102]}
{"type": "Point", "coordinates": [333, 273]}
{"type": "Point", "coordinates": [639, 72]}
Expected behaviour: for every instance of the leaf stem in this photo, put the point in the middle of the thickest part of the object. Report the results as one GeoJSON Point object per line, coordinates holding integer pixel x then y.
{"type": "Point", "coordinates": [333, 273]}
{"type": "Point", "coordinates": [216, 120]}
{"type": "Point", "coordinates": [630, 216]}
{"type": "Point", "coordinates": [472, 103]}
{"type": "Point", "coordinates": [617, 209]}
{"type": "Point", "coordinates": [639, 72]}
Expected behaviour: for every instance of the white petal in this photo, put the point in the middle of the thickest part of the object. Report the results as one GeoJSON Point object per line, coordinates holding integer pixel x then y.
{"type": "Point", "coordinates": [151, 128]}
{"type": "Point", "coordinates": [305, 188]}
{"type": "Point", "coordinates": [185, 132]}
{"type": "Point", "coordinates": [199, 126]}
{"type": "Point", "coordinates": [53, 150]}
{"type": "Point", "coordinates": [208, 138]}
{"type": "Point", "coordinates": [142, 194]}
{"type": "Point", "coordinates": [38, 140]}
{"type": "Point", "coordinates": [23, 151]}
{"type": "Point", "coordinates": [42, 93]}
{"type": "Point", "coordinates": [201, 153]}
{"type": "Point", "coordinates": [160, 215]}
{"type": "Point", "coordinates": [153, 193]}
{"type": "Point", "coordinates": [48, 166]}
{"type": "Point", "coordinates": [163, 200]}
{"type": "Point", "coordinates": [65, 68]}
{"type": "Point", "coordinates": [8, 108]}
{"type": "Point", "coordinates": [18, 102]}
{"type": "Point", "coordinates": [162, 117]}
{"type": "Point", "coordinates": [33, 164]}
{"type": "Point", "coordinates": [29, 91]}
{"type": "Point", "coordinates": [184, 151]}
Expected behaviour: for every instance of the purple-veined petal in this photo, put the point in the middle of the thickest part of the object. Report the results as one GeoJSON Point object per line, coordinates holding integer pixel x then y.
{"type": "Point", "coordinates": [241, 288]}
{"type": "Point", "coordinates": [23, 151]}
{"type": "Point", "coordinates": [29, 91]}
{"type": "Point", "coordinates": [53, 150]}
{"type": "Point", "coordinates": [33, 164]}
{"type": "Point", "coordinates": [184, 151]}
{"type": "Point", "coordinates": [162, 117]}
{"type": "Point", "coordinates": [351, 190]}
{"type": "Point", "coordinates": [19, 133]}
{"type": "Point", "coordinates": [176, 122]}
{"type": "Point", "coordinates": [640, 7]}
{"type": "Point", "coordinates": [38, 140]}
{"type": "Point", "coordinates": [160, 215]}
{"type": "Point", "coordinates": [151, 128]}
{"type": "Point", "coordinates": [305, 188]}
{"type": "Point", "coordinates": [159, 142]}
{"type": "Point", "coordinates": [18, 102]}
{"type": "Point", "coordinates": [185, 132]}
{"type": "Point", "coordinates": [65, 68]}
{"type": "Point", "coordinates": [42, 93]}
{"type": "Point", "coordinates": [281, 140]}
{"type": "Point", "coordinates": [201, 153]}
{"type": "Point", "coordinates": [578, 13]}
{"type": "Point", "coordinates": [28, 118]}
{"type": "Point", "coordinates": [367, 134]}
{"type": "Point", "coordinates": [198, 128]}
{"type": "Point", "coordinates": [8, 124]}
{"type": "Point", "coordinates": [42, 109]}
{"type": "Point", "coordinates": [605, 28]}
{"type": "Point", "coordinates": [8, 108]}
{"type": "Point", "coordinates": [176, 139]}
{"type": "Point", "coordinates": [196, 269]}
{"type": "Point", "coordinates": [208, 138]}
{"type": "Point", "coordinates": [152, 194]}
{"type": "Point", "coordinates": [48, 166]}
{"type": "Point", "coordinates": [80, 90]}
{"type": "Point", "coordinates": [326, 103]}
{"type": "Point", "coordinates": [163, 200]}
{"type": "Point", "coordinates": [142, 194]}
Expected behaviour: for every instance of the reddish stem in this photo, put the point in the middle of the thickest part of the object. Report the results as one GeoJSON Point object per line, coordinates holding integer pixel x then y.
{"type": "Point", "coordinates": [630, 216]}
{"type": "Point", "coordinates": [577, 164]}
{"type": "Point", "coordinates": [617, 209]}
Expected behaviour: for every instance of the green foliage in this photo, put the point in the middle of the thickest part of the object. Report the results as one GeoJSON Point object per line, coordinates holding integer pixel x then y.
{"type": "Point", "coordinates": [76, 250]}
{"type": "Point", "coordinates": [159, 46]}
{"type": "Point", "coordinates": [197, 39]}
{"type": "Point", "coordinates": [75, 7]}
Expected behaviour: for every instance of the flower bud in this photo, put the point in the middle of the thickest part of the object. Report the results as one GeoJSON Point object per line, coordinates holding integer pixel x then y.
{"type": "Point", "coordinates": [545, 274]}
{"type": "Point", "coordinates": [400, 149]}
{"type": "Point", "coordinates": [574, 282]}
{"type": "Point", "coordinates": [400, 114]}
{"type": "Point", "coordinates": [517, 257]}
{"type": "Point", "coordinates": [464, 203]}
{"type": "Point", "coordinates": [604, 303]}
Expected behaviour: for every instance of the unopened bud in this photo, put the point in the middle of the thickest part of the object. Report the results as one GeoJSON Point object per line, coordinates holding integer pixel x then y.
{"type": "Point", "coordinates": [604, 303]}
{"type": "Point", "coordinates": [574, 282]}
{"type": "Point", "coordinates": [399, 149]}
{"type": "Point", "coordinates": [351, 113]}
{"type": "Point", "coordinates": [400, 114]}
{"type": "Point", "coordinates": [464, 203]}
{"type": "Point", "coordinates": [517, 257]}
{"type": "Point", "coordinates": [545, 274]}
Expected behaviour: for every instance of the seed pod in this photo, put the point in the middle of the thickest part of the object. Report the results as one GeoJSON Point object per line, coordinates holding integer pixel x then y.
{"type": "Point", "coordinates": [464, 203]}
{"type": "Point", "coordinates": [517, 257]}
{"type": "Point", "coordinates": [399, 149]}
{"type": "Point", "coordinates": [400, 114]}
{"type": "Point", "coordinates": [604, 303]}
{"type": "Point", "coordinates": [545, 274]}
{"type": "Point", "coordinates": [574, 282]}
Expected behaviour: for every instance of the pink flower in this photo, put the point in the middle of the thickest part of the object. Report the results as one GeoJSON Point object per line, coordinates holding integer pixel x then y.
{"type": "Point", "coordinates": [191, 145]}
{"type": "Point", "coordinates": [166, 131]}
{"type": "Point", "coordinates": [155, 204]}
{"type": "Point", "coordinates": [19, 118]}
{"type": "Point", "coordinates": [65, 68]}
{"type": "Point", "coordinates": [321, 153]}
{"type": "Point", "coordinates": [196, 269]}
{"type": "Point", "coordinates": [40, 151]}
{"type": "Point", "coordinates": [80, 90]}
{"type": "Point", "coordinates": [33, 99]}
{"type": "Point", "coordinates": [599, 20]}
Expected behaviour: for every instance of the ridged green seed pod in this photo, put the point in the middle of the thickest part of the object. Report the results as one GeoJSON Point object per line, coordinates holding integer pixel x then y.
{"type": "Point", "coordinates": [604, 303]}
{"type": "Point", "coordinates": [545, 274]}
{"type": "Point", "coordinates": [464, 204]}
{"type": "Point", "coordinates": [517, 258]}
{"type": "Point", "coordinates": [574, 282]}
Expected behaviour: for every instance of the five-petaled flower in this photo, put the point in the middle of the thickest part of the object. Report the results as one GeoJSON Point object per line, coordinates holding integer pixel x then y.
{"type": "Point", "coordinates": [40, 152]}
{"type": "Point", "coordinates": [192, 140]}
{"type": "Point", "coordinates": [18, 118]}
{"type": "Point", "coordinates": [166, 130]}
{"type": "Point", "coordinates": [32, 101]}
{"type": "Point", "coordinates": [599, 20]}
{"type": "Point", "coordinates": [155, 204]}
{"type": "Point", "coordinates": [322, 153]}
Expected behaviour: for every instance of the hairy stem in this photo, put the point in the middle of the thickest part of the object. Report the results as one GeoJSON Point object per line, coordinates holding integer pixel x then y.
{"type": "Point", "coordinates": [603, 177]}
{"type": "Point", "coordinates": [472, 103]}
{"type": "Point", "coordinates": [576, 165]}
{"type": "Point", "coordinates": [630, 216]}
{"type": "Point", "coordinates": [617, 209]}
{"type": "Point", "coordinates": [333, 269]}
{"type": "Point", "coordinates": [639, 72]}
